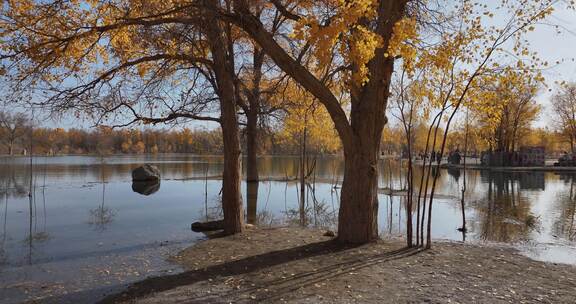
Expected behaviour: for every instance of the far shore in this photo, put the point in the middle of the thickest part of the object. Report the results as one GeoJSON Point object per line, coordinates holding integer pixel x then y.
{"type": "Point", "coordinates": [473, 163]}
{"type": "Point", "coordinates": [154, 154]}
{"type": "Point", "coordinates": [519, 169]}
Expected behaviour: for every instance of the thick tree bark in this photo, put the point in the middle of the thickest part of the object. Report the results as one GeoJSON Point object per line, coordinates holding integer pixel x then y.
{"type": "Point", "coordinates": [252, 114]}
{"type": "Point", "coordinates": [224, 72]}
{"type": "Point", "coordinates": [231, 194]}
{"type": "Point", "coordinates": [358, 214]}
{"type": "Point", "coordinates": [358, 217]}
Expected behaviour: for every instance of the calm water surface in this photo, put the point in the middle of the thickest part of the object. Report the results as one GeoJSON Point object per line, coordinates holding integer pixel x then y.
{"type": "Point", "coordinates": [84, 232]}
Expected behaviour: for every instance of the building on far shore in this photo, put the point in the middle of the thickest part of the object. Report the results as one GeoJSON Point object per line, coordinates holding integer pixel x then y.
{"type": "Point", "coordinates": [526, 156]}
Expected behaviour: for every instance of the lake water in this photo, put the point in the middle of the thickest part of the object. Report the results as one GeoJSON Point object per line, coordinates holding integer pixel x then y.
{"type": "Point", "coordinates": [85, 232]}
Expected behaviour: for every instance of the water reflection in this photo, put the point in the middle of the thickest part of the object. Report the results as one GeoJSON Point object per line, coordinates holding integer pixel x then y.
{"type": "Point", "coordinates": [251, 202]}
{"type": "Point", "coordinates": [102, 216]}
{"type": "Point", "coordinates": [3, 255]}
{"type": "Point", "coordinates": [311, 212]}
{"type": "Point", "coordinates": [504, 213]}
{"type": "Point", "coordinates": [566, 204]}
{"type": "Point", "coordinates": [519, 207]}
{"type": "Point", "coordinates": [146, 188]}
{"type": "Point", "coordinates": [37, 232]}
{"type": "Point", "coordinates": [455, 173]}
{"type": "Point", "coordinates": [15, 183]}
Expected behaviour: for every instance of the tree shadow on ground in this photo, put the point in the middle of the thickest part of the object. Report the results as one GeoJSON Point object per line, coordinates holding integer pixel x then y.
{"type": "Point", "coordinates": [275, 287]}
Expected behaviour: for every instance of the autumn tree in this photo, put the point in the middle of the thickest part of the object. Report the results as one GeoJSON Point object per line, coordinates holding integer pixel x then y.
{"type": "Point", "coordinates": [361, 41]}
{"type": "Point", "coordinates": [356, 43]}
{"type": "Point", "coordinates": [305, 124]}
{"type": "Point", "coordinates": [506, 108]}
{"type": "Point", "coordinates": [257, 90]}
{"type": "Point", "coordinates": [471, 49]}
{"type": "Point", "coordinates": [549, 139]}
{"type": "Point", "coordinates": [407, 102]}
{"type": "Point", "coordinates": [12, 128]}
{"type": "Point", "coordinates": [564, 108]}
{"type": "Point", "coordinates": [110, 59]}
{"type": "Point", "coordinates": [458, 136]}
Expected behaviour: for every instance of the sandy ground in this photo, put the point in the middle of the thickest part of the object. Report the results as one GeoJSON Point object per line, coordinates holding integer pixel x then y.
{"type": "Point", "coordinates": [292, 265]}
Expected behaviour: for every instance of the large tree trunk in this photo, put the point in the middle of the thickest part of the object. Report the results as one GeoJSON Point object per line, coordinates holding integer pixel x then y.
{"type": "Point", "coordinates": [252, 178]}
{"type": "Point", "coordinates": [220, 45]}
{"type": "Point", "coordinates": [231, 194]}
{"type": "Point", "coordinates": [358, 215]}
{"type": "Point", "coordinates": [252, 114]}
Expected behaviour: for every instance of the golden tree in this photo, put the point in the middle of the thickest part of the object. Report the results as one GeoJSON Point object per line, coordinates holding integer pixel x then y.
{"type": "Point", "coordinates": [112, 58]}
{"type": "Point", "coordinates": [355, 42]}
{"type": "Point", "coordinates": [564, 107]}
{"type": "Point", "coordinates": [505, 108]}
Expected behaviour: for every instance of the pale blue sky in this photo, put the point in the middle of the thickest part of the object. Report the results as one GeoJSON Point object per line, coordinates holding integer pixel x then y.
{"type": "Point", "coordinates": [556, 47]}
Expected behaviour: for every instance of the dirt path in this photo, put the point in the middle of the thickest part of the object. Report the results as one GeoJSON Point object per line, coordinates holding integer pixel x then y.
{"type": "Point", "coordinates": [291, 265]}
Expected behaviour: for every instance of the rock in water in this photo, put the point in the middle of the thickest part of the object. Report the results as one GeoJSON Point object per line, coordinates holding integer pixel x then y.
{"type": "Point", "coordinates": [146, 188]}
{"type": "Point", "coordinates": [146, 173]}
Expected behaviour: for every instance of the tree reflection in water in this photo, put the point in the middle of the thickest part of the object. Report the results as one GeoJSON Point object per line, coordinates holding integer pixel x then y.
{"type": "Point", "coordinates": [36, 234]}
{"type": "Point", "coordinates": [264, 217]}
{"type": "Point", "coordinates": [3, 254]}
{"type": "Point", "coordinates": [252, 202]}
{"type": "Point", "coordinates": [16, 183]}
{"type": "Point", "coordinates": [566, 205]}
{"type": "Point", "coordinates": [311, 212]}
{"type": "Point", "coordinates": [504, 212]}
{"type": "Point", "coordinates": [499, 206]}
{"type": "Point", "coordinates": [102, 216]}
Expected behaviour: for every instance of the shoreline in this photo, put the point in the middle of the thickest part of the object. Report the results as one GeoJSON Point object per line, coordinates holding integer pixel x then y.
{"type": "Point", "coordinates": [295, 265]}
{"type": "Point", "coordinates": [511, 169]}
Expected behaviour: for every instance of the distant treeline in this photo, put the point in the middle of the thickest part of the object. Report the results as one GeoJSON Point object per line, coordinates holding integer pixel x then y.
{"type": "Point", "coordinates": [15, 132]}
{"type": "Point", "coordinates": [105, 141]}
{"type": "Point", "coordinates": [115, 141]}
